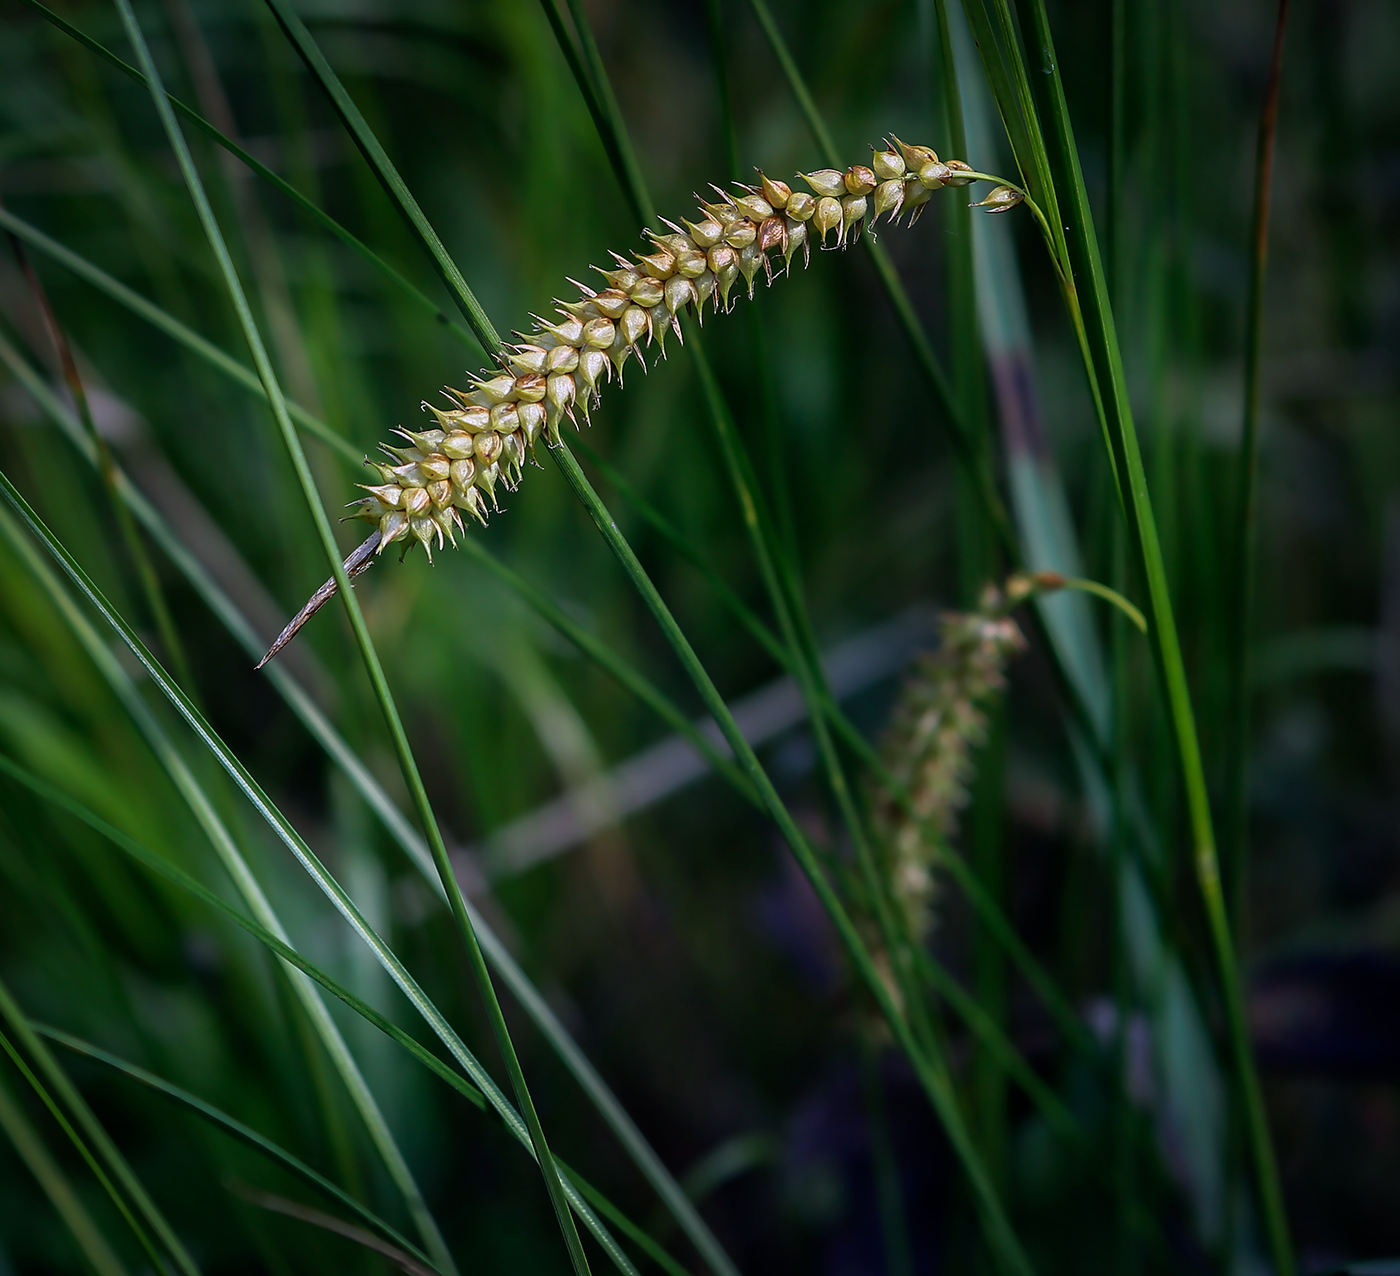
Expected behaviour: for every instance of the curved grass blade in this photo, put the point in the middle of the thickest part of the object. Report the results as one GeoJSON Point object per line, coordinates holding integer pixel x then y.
{"type": "Point", "coordinates": [221, 1120]}
{"type": "Point", "coordinates": [408, 764]}
{"type": "Point", "coordinates": [172, 327]}
{"type": "Point", "coordinates": [307, 206]}
{"type": "Point", "coordinates": [383, 168]}
{"type": "Point", "coordinates": [89, 1157]}
{"type": "Point", "coordinates": [338, 1226]}
{"type": "Point", "coordinates": [205, 814]}
{"type": "Point", "coordinates": [412, 843]}
{"type": "Point", "coordinates": [92, 1132]}
{"type": "Point", "coordinates": [923, 1050]}
{"type": "Point", "coordinates": [1106, 368]}
{"type": "Point", "coordinates": [491, 1099]}
{"type": "Point", "coordinates": [286, 833]}
{"type": "Point", "coordinates": [26, 1141]}
{"type": "Point", "coordinates": [156, 864]}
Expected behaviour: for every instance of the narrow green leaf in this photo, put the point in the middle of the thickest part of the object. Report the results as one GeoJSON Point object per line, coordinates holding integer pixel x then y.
{"type": "Point", "coordinates": [232, 1126]}
{"type": "Point", "coordinates": [26, 1141]}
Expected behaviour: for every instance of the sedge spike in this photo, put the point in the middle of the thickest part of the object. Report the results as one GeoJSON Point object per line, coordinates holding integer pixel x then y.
{"type": "Point", "coordinates": [938, 721]}
{"type": "Point", "coordinates": [450, 473]}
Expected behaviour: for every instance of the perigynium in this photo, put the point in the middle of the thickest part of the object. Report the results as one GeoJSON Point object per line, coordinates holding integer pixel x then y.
{"type": "Point", "coordinates": [558, 369]}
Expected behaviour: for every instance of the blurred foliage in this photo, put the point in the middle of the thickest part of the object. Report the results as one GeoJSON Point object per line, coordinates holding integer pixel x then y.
{"type": "Point", "coordinates": [682, 948]}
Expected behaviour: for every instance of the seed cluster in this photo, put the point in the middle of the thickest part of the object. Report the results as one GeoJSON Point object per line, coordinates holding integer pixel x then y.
{"type": "Point", "coordinates": [938, 720]}
{"type": "Point", "coordinates": [559, 368]}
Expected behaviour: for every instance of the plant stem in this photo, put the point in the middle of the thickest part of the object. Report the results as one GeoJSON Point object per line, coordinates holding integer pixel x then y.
{"type": "Point", "coordinates": [1247, 492]}
{"type": "Point", "coordinates": [292, 443]}
{"type": "Point", "coordinates": [1106, 368]}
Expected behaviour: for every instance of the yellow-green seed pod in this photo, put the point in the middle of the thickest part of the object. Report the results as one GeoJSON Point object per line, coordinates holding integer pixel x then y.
{"type": "Point", "coordinates": [565, 333]}
{"type": "Point", "coordinates": [827, 217]}
{"type": "Point", "coordinates": [724, 212]}
{"type": "Point", "coordinates": [725, 278]}
{"type": "Point", "coordinates": [859, 180]}
{"type": "Point", "coordinates": [527, 359]}
{"type": "Point", "coordinates": [633, 325]}
{"type": "Point", "coordinates": [440, 493]}
{"type": "Point", "coordinates": [706, 233]}
{"type": "Point", "coordinates": [754, 207]}
{"type": "Point", "coordinates": [720, 257]}
{"type": "Point", "coordinates": [674, 244]}
{"type": "Point", "coordinates": [956, 166]}
{"type": "Point", "coordinates": [491, 391]}
{"type": "Point", "coordinates": [488, 448]}
{"type": "Point", "coordinates": [532, 419]}
{"type": "Point", "coordinates": [415, 500]}
{"type": "Point", "coordinates": [473, 502]}
{"type": "Point", "coordinates": [486, 476]}
{"type": "Point", "coordinates": [648, 292]}
{"type": "Point", "coordinates": [562, 359]}
{"type": "Point", "coordinates": [392, 527]}
{"type": "Point", "coordinates": [704, 293]}
{"type": "Point", "coordinates": [409, 475]}
{"type": "Point", "coordinates": [623, 279]}
{"type": "Point", "coordinates": [611, 302]}
{"type": "Point", "coordinates": [560, 396]}
{"type": "Point", "coordinates": [691, 265]}
{"type": "Point", "coordinates": [435, 467]}
{"type": "Point", "coordinates": [887, 165]}
{"type": "Point", "coordinates": [796, 238]}
{"type": "Point", "coordinates": [463, 473]}
{"type": "Point", "coordinates": [826, 181]}
{"type": "Point", "coordinates": [853, 209]}
{"type": "Point", "coordinates": [933, 174]}
{"type": "Point", "coordinates": [593, 367]}
{"type": "Point", "coordinates": [513, 449]}
{"type": "Point", "coordinates": [659, 265]}
{"type": "Point", "coordinates": [741, 234]}
{"type": "Point", "coordinates": [916, 156]}
{"type": "Point", "coordinates": [389, 496]}
{"type": "Point", "coordinates": [680, 292]}
{"type": "Point", "coordinates": [425, 440]}
{"type": "Point", "coordinates": [888, 198]}
{"type": "Point", "coordinates": [504, 419]}
{"type": "Point", "coordinates": [916, 195]}
{"type": "Point", "coordinates": [599, 334]}
{"type": "Point", "coordinates": [802, 206]}
{"type": "Point", "coordinates": [530, 389]}
{"type": "Point", "coordinates": [776, 193]}
{"type": "Point", "coordinates": [458, 446]}
{"type": "Point", "coordinates": [750, 259]}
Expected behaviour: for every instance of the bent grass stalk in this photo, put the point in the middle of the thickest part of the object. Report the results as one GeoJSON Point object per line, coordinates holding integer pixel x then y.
{"type": "Point", "coordinates": [407, 762]}
{"type": "Point", "coordinates": [344, 758]}
{"type": "Point", "coordinates": [163, 747]}
{"type": "Point", "coordinates": [1103, 362]}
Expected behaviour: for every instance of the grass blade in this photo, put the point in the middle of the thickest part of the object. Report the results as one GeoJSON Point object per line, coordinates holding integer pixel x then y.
{"type": "Point", "coordinates": [408, 764]}
{"type": "Point", "coordinates": [307, 206]}
{"type": "Point", "coordinates": [1107, 369]}
{"type": "Point", "coordinates": [93, 1133]}
{"type": "Point", "coordinates": [383, 168]}
{"type": "Point", "coordinates": [30, 1147]}
{"type": "Point", "coordinates": [221, 1120]}
{"type": "Point", "coordinates": [369, 788]}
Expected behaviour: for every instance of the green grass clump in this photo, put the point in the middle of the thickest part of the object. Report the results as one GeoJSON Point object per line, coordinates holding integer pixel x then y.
{"type": "Point", "coordinates": [553, 903]}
